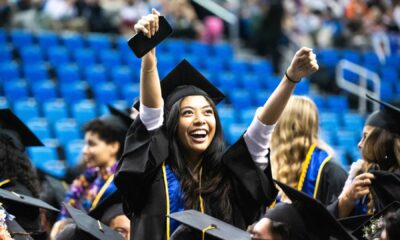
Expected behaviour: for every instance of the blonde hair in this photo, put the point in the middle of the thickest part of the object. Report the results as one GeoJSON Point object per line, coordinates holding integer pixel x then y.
{"type": "Point", "coordinates": [294, 134]}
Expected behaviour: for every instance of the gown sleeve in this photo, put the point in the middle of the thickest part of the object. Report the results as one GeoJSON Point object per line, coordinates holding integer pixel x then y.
{"type": "Point", "coordinates": [333, 179]}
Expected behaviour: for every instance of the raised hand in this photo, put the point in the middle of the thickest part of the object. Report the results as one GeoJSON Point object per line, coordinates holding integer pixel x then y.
{"type": "Point", "coordinates": [303, 64]}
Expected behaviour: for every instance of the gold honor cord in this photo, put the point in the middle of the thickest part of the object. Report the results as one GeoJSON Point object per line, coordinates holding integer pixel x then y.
{"type": "Point", "coordinates": [326, 160]}
{"type": "Point", "coordinates": [101, 192]}
{"type": "Point", "coordinates": [204, 230]}
{"type": "Point", "coordinates": [304, 167]}
{"type": "Point", "coordinates": [200, 198]}
{"type": "Point", "coordinates": [4, 182]}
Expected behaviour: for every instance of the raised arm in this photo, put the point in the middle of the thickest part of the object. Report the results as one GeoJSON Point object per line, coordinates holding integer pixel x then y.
{"type": "Point", "coordinates": [303, 64]}
{"type": "Point", "coordinates": [150, 89]}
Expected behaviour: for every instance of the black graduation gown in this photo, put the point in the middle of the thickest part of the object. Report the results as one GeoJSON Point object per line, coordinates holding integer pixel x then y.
{"type": "Point", "coordinates": [139, 178]}
{"type": "Point", "coordinates": [333, 178]}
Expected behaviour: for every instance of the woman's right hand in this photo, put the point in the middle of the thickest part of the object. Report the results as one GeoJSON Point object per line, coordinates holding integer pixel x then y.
{"type": "Point", "coordinates": [149, 26]}
{"type": "Point", "coordinates": [359, 187]}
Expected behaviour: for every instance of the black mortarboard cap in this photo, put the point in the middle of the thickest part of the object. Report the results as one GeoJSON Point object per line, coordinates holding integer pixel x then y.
{"type": "Point", "coordinates": [13, 127]}
{"type": "Point", "coordinates": [199, 221]}
{"type": "Point", "coordinates": [375, 220]}
{"type": "Point", "coordinates": [90, 228]}
{"type": "Point", "coordinates": [184, 80]}
{"type": "Point", "coordinates": [124, 119]}
{"type": "Point", "coordinates": [108, 209]}
{"type": "Point", "coordinates": [319, 223]}
{"type": "Point", "coordinates": [17, 231]}
{"type": "Point", "coordinates": [53, 190]}
{"type": "Point", "coordinates": [385, 188]}
{"type": "Point", "coordinates": [388, 118]}
{"type": "Point", "coordinates": [8, 197]}
{"type": "Point", "coordinates": [353, 222]}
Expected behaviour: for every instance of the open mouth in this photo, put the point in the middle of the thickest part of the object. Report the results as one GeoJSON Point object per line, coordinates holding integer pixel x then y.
{"type": "Point", "coordinates": [199, 135]}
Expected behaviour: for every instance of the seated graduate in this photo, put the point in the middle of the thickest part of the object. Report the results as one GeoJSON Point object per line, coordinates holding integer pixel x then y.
{"type": "Point", "coordinates": [299, 158]}
{"type": "Point", "coordinates": [391, 226]}
{"type": "Point", "coordinates": [104, 141]}
{"type": "Point", "coordinates": [17, 172]}
{"type": "Point", "coordinates": [175, 156]}
{"type": "Point", "coordinates": [11, 205]}
{"type": "Point", "coordinates": [374, 181]}
{"type": "Point", "coordinates": [304, 218]}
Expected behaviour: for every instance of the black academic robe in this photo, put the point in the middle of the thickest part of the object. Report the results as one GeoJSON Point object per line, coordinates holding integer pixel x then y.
{"type": "Point", "coordinates": [333, 178]}
{"type": "Point", "coordinates": [139, 178]}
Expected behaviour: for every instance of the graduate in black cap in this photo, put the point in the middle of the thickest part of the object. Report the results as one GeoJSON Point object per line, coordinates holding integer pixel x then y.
{"type": "Point", "coordinates": [17, 172]}
{"type": "Point", "coordinates": [175, 157]}
{"type": "Point", "coordinates": [374, 181]}
{"type": "Point", "coordinates": [104, 142]}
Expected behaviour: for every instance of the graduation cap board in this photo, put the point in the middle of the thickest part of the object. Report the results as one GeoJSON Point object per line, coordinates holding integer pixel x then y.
{"type": "Point", "coordinates": [318, 222]}
{"type": "Point", "coordinates": [88, 226]}
{"type": "Point", "coordinates": [15, 198]}
{"type": "Point", "coordinates": [353, 222]}
{"type": "Point", "coordinates": [185, 80]}
{"type": "Point", "coordinates": [117, 119]}
{"type": "Point", "coordinates": [16, 231]}
{"type": "Point", "coordinates": [374, 225]}
{"type": "Point", "coordinates": [140, 44]}
{"type": "Point", "coordinates": [108, 209]}
{"type": "Point", "coordinates": [209, 225]}
{"type": "Point", "coordinates": [388, 118]}
{"type": "Point", "coordinates": [385, 188]}
{"type": "Point", "coordinates": [16, 130]}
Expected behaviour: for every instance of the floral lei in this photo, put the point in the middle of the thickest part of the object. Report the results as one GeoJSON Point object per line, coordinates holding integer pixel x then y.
{"type": "Point", "coordinates": [373, 228]}
{"type": "Point", "coordinates": [4, 216]}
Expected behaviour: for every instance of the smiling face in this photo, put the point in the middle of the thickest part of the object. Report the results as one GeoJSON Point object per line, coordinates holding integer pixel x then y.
{"type": "Point", "coordinates": [98, 153]}
{"type": "Point", "coordinates": [366, 131]}
{"type": "Point", "coordinates": [197, 124]}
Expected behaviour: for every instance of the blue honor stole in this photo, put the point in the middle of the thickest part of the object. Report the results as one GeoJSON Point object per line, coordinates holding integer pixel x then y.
{"type": "Point", "coordinates": [312, 168]}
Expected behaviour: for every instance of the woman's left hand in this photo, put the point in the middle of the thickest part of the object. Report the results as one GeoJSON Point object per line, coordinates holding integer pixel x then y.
{"type": "Point", "coordinates": [303, 64]}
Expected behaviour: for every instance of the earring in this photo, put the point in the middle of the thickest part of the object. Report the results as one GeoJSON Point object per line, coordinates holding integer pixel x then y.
{"type": "Point", "coordinates": [386, 156]}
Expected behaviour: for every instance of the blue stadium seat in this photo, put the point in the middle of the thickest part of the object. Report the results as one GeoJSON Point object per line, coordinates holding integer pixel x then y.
{"type": "Point", "coordinates": [73, 92]}
{"type": "Point", "coordinates": [68, 73]}
{"type": "Point", "coordinates": [240, 99]}
{"type": "Point", "coordinates": [195, 60]}
{"type": "Point", "coordinates": [5, 53]}
{"type": "Point", "coordinates": [31, 55]}
{"type": "Point", "coordinates": [214, 64]}
{"type": "Point", "coordinates": [238, 67]}
{"type": "Point", "coordinates": [40, 127]}
{"type": "Point", "coordinates": [66, 130]}
{"type": "Point", "coordinates": [227, 116]}
{"type": "Point", "coordinates": [234, 132]}
{"type": "Point", "coordinates": [387, 91]}
{"type": "Point", "coordinates": [320, 101]}
{"type": "Point", "coordinates": [34, 73]}
{"type": "Point", "coordinates": [39, 155]}
{"type": "Point", "coordinates": [73, 152]}
{"type": "Point", "coordinates": [260, 97]}
{"type": "Point", "coordinates": [328, 58]}
{"type": "Point", "coordinates": [54, 168]}
{"type": "Point", "coordinates": [351, 76]}
{"type": "Point", "coordinates": [3, 36]}
{"type": "Point", "coordinates": [199, 48]}
{"type": "Point", "coordinates": [352, 56]}
{"type": "Point", "coordinates": [246, 115]}
{"type": "Point", "coordinates": [302, 88]}
{"type": "Point", "coordinates": [131, 60]}
{"type": "Point", "coordinates": [9, 71]}
{"type": "Point", "coordinates": [227, 81]}
{"type": "Point", "coordinates": [129, 93]}
{"type": "Point", "coordinates": [26, 109]}
{"type": "Point", "coordinates": [123, 76]}
{"type": "Point", "coordinates": [84, 111]}
{"type": "Point", "coordinates": [393, 61]}
{"type": "Point", "coordinates": [55, 110]}
{"type": "Point", "coordinates": [370, 58]}
{"type": "Point", "coordinates": [98, 41]}
{"type": "Point", "coordinates": [72, 41]}
{"type": "Point", "coordinates": [96, 74]}
{"type": "Point", "coordinates": [84, 57]}
{"type": "Point", "coordinates": [110, 58]}
{"type": "Point", "coordinates": [175, 46]}
{"type": "Point", "coordinates": [328, 136]}
{"type": "Point", "coordinates": [250, 81]}
{"type": "Point", "coordinates": [4, 103]}
{"type": "Point", "coordinates": [105, 92]}
{"type": "Point", "coordinates": [337, 103]}
{"type": "Point", "coordinates": [122, 45]}
{"type": "Point", "coordinates": [21, 38]}
{"type": "Point", "coordinates": [353, 122]}
{"type": "Point", "coordinates": [389, 74]}
{"type": "Point", "coordinates": [346, 139]}
{"type": "Point", "coordinates": [270, 82]}
{"type": "Point", "coordinates": [329, 121]}
{"type": "Point", "coordinates": [44, 91]}
{"type": "Point", "coordinates": [58, 55]}
{"type": "Point", "coordinates": [262, 67]}
{"type": "Point", "coordinates": [47, 39]}
{"type": "Point", "coordinates": [222, 50]}
{"type": "Point", "coordinates": [16, 90]}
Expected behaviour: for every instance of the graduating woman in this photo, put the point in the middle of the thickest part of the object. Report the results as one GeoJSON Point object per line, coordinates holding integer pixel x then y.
{"type": "Point", "coordinates": [374, 181]}
{"type": "Point", "coordinates": [299, 158]}
{"type": "Point", "coordinates": [175, 158]}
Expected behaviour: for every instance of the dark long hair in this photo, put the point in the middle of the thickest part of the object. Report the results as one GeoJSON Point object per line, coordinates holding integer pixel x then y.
{"type": "Point", "coordinates": [382, 148]}
{"type": "Point", "coordinates": [215, 187]}
{"type": "Point", "coordinates": [16, 166]}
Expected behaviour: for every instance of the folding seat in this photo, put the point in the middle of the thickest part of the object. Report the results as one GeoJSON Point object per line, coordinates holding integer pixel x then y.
{"type": "Point", "coordinates": [73, 152]}
{"type": "Point", "coordinates": [9, 71]}
{"type": "Point", "coordinates": [95, 75]}
{"type": "Point", "coordinates": [246, 115]}
{"type": "Point", "coordinates": [41, 128]}
{"type": "Point", "coordinates": [72, 41]}
{"type": "Point", "coordinates": [54, 168]}
{"type": "Point", "coordinates": [270, 82]}
{"type": "Point", "coordinates": [227, 81]}
{"type": "Point", "coordinates": [73, 92]}
{"type": "Point", "coordinates": [196, 60]}
{"type": "Point", "coordinates": [238, 67]}
{"type": "Point", "coordinates": [329, 121]}
{"type": "Point", "coordinates": [66, 130]}
{"type": "Point", "coordinates": [261, 67]}
{"type": "Point", "coordinates": [40, 155]}
{"type": "Point", "coordinates": [347, 139]}
{"type": "Point", "coordinates": [35, 73]}
{"type": "Point", "coordinates": [84, 57]}
{"type": "Point", "coordinates": [175, 46]}
{"type": "Point", "coordinates": [234, 132]}
{"type": "Point", "coordinates": [98, 42]}
{"type": "Point", "coordinates": [222, 50]}
{"type": "Point", "coordinates": [44, 91]}
{"type": "Point", "coordinates": [105, 92]}
{"type": "Point", "coordinates": [199, 49]}
{"type": "Point", "coordinates": [250, 81]}
{"type": "Point", "coordinates": [259, 97]}
{"type": "Point", "coordinates": [122, 45]}
{"type": "Point", "coordinates": [55, 110]}
{"type": "Point", "coordinates": [227, 116]}
{"type": "Point", "coordinates": [31, 55]}
{"type": "Point", "coordinates": [3, 37]}
{"type": "Point", "coordinates": [16, 90]}
{"type": "Point", "coordinates": [389, 74]}
{"type": "Point", "coordinates": [123, 76]}
{"type": "Point", "coordinates": [370, 58]}
{"type": "Point", "coordinates": [352, 56]}
{"type": "Point", "coordinates": [387, 91]}
{"type": "Point", "coordinates": [21, 38]}
{"type": "Point", "coordinates": [131, 92]}
{"type": "Point", "coordinates": [214, 64]}
{"type": "Point", "coordinates": [26, 109]}
{"type": "Point", "coordinates": [131, 60]}
{"type": "Point", "coordinates": [302, 88]}
{"type": "Point", "coordinates": [353, 121]}
{"type": "Point", "coordinates": [320, 101]}
{"type": "Point", "coordinates": [240, 99]}
{"type": "Point", "coordinates": [337, 103]}
{"type": "Point", "coordinates": [110, 58]}
{"type": "Point", "coordinates": [68, 73]}
{"type": "Point", "coordinates": [84, 111]}
{"type": "Point", "coordinates": [58, 55]}
{"type": "Point", "coordinates": [5, 53]}
{"type": "Point", "coordinates": [47, 39]}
